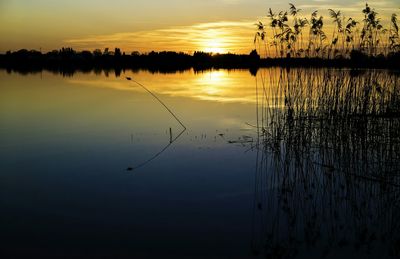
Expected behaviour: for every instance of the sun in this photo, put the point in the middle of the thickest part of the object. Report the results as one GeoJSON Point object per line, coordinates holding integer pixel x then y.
{"type": "Point", "coordinates": [214, 46]}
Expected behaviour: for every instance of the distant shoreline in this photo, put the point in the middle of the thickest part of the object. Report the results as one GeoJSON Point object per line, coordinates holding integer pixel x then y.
{"type": "Point", "coordinates": [69, 61]}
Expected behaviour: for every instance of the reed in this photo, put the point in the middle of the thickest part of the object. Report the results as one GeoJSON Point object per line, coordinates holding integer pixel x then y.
{"type": "Point", "coordinates": [328, 147]}
{"type": "Point", "coordinates": [327, 169]}
{"type": "Point", "coordinates": [282, 36]}
{"type": "Point", "coordinates": [319, 107]}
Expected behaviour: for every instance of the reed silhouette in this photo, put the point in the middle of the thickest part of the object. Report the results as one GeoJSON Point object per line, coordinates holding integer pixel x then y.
{"type": "Point", "coordinates": [327, 167]}
{"type": "Point", "coordinates": [285, 37]}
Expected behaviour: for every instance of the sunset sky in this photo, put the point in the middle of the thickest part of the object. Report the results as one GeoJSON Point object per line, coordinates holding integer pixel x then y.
{"type": "Point", "coordinates": [143, 25]}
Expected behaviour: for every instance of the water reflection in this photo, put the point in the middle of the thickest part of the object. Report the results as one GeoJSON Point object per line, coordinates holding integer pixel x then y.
{"type": "Point", "coordinates": [213, 85]}
{"type": "Point", "coordinates": [325, 185]}
{"type": "Point", "coordinates": [327, 170]}
{"type": "Point", "coordinates": [66, 144]}
{"type": "Point", "coordinates": [171, 139]}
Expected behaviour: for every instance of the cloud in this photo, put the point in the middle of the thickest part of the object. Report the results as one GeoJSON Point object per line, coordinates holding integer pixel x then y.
{"type": "Point", "coordinates": [228, 36]}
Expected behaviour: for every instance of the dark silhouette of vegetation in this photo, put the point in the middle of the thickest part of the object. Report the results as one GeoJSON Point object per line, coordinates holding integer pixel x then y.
{"type": "Point", "coordinates": [328, 149]}
{"type": "Point", "coordinates": [67, 60]}
{"type": "Point", "coordinates": [285, 37]}
{"type": "Point", "coordinates": [328, 171]}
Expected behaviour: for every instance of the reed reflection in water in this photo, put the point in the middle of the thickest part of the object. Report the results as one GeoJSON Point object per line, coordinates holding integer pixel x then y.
{"type": "Point", "coordinates": [327, 166]}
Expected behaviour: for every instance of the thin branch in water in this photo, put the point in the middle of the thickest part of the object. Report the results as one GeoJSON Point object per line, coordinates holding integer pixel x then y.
{"type": "Point", "coordinates": [171, 141]}
{"type": "Point", "coordinates": [158, 99]}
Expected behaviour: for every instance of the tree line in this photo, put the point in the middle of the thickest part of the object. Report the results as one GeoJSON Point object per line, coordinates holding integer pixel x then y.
{"type": "Point", "coordinates": [68, 58]}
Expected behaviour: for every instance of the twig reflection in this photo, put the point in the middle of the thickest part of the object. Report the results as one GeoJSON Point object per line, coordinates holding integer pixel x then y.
{"type": "Point", "coordinates": [171, 141]}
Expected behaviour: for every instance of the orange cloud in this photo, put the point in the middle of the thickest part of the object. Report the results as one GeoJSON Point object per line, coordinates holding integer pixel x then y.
{"type": "Point", "coordinates": [221, 36]}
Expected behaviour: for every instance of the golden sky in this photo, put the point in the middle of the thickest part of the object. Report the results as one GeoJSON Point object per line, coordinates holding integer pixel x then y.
{"type": "Point", "coordinates": [142, 25]}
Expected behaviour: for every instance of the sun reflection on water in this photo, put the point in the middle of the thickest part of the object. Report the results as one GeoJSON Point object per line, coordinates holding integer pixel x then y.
{"type": "Point", "coordinates": [212, 85]}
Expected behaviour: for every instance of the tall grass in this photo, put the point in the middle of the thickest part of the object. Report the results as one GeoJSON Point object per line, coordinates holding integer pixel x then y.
{"type": "Point", "coordinates": [328, 149]}
{"type": "Point", "coordinates": [289, 34]}
{"type": "Point", "coordinates": [332, 107]}
{"type": "Point", "coordinates": [328, 170]}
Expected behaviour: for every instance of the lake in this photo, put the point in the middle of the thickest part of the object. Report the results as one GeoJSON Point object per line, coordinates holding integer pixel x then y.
{"type": "Point", "coordinates": [94, 165]}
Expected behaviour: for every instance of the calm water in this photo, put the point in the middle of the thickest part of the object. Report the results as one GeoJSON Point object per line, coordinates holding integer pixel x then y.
{"type": "Point", "coordinates": [66, 144]}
